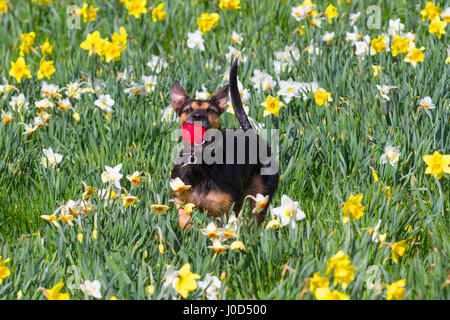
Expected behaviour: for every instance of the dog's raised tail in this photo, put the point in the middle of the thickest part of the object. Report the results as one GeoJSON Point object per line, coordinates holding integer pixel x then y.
{"type": "Point", "coordinates": [236, 98]}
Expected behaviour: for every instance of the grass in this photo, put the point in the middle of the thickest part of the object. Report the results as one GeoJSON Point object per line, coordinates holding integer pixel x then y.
{"type": "Point", "coordinates": [326, 153]}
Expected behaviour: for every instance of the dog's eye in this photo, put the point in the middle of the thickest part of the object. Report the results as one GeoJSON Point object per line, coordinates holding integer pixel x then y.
{"type": "Point", "coordinates": [211, 110]}
{"type": "Point", "coordinates": [187, 110]}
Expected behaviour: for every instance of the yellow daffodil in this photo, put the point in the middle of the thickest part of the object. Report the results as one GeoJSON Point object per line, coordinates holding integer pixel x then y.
{"type": "Point", "coordinates": [111, 51]}
{"type": "Point", "coordinates": [159, 208]}
{"type": "Point", "coordinates": [120, 39]}
{"type": "Point", "coordinates": [136, 7]}
{"type": "Point", "coordinates": [399, 45]}
{"type": "Point", "coordinates": [47, 48]}
{"type": "Point", "coordinates": [272, 105]}
{"type": "Point", "coordinates": [237, 245]}
{"type": "Point", "coordinates": [343, 270]}
{"type": "Point", "coordinates": [274, 223]}
{"type": "Point", "coordinates": [322, 97]}
{"type": "Point", "coordinates": [3, 6]}
{"type": "Point", "coordinates": [27, 42]}
{"type": "Point", "coordinates": [19, 70]}
{"type": "Point", "coordinates": [88, 192]}
{"type": "Point", "coordinates": [129, 200]}
{"type": "Point", "coordinates": [438, 164]}
{"type": "Point", "coordinates": [316, 282]}
{"type": "Point", "coordinates": [396, 290]}
{"type": "Point", "coordinates": [150, 289]}
{"type": "Point", "coordinates": [158, 13]}
{"type": "Point", "coordinates": [91, 42]}
{"type": "Point", "coordinates": [331, 12]}
{"type": "Point", "coordinates": [189, 207]}
{"type": "Point", "coordinates": [437, 27]}
{"type": "Point", "coordinates": [186, 281]}
{"type": "Point", "coordinates": [46, 69]}
{"type": "Point", "coordinates": [4, 270]}
{"type": "Point", "coordinates": [378, 45]}
{"type": "Point", "coordinates": [55, 294]}
{"type": "Point", "coordinates": [207, 21]}
{"type": "Point", "coordinates": [343, 273]}
{"type": "Point", "coordinates": [430, 12]}
{"type": "Point", "coordinates": [230, 4]}
{"type": "Point", "coordinates": [327, 294]}
{"type": "Point", "coordinates": [376, 71]}
{"type": "Point", "coordinates": [399, 249]}
{"type": "Point", "coordinates": [51, 218]}
{"type": "Point", "coordinates": [66, 218]}
{"type": "Point", "coordinates": [88, 13]}
{"type": "Point", "coordinates": [353, 209]}
{"type": "Point", "coordinates": [415, 55]}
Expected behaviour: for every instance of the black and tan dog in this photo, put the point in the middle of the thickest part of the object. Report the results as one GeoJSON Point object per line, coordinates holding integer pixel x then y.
{"type": "Point", "coordinates": [218, 186]}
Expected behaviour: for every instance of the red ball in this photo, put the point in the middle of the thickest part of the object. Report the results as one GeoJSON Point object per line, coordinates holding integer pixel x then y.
{"type": "Point", "coordinates": [193, 133]}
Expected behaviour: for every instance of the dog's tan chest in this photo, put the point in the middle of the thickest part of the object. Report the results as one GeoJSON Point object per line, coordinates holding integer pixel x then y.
{"type": "Point", "coordinates": [215, 202]}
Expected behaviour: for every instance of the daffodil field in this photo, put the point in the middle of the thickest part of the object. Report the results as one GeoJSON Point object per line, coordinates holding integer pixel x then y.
{"type": "Point", "coordinates": [359, 91]}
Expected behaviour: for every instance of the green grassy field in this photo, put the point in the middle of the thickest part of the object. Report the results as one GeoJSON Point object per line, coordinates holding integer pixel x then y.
{"type": "Point", "coordinates": [326, 153]}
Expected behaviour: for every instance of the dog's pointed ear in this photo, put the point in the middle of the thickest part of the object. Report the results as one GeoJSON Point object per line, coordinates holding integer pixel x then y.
{"type": "Point", "coordinates": [178, 96]}
{"type": "Point", "coordinates": [220, 98]}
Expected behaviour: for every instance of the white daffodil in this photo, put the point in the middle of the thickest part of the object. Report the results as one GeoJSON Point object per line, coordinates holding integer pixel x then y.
{"type": "Point", "coordinates": [384, 91]}
{"type": "Point", "coordinates": [178, 186]}
{"type": "Point", "coordinates": [375, 236]}
{"type": "Point", "coordinates": [73, 90]}
{"type": "Point", "coordinates": [217, 246]}
{"type": "Point", "coordinates": [136, 89]}
{"type": "Point", "coordinates": [157, 64]}
{"type": "Point", "coordinates": [64, 104]}
{"type": "Point", "coordinates": [288, 212]}
{"type": "Point", "coordinates": [395, 27]}
{"type": "Point", "coordinates": [168, 114]}
{"type": "Point", "coordinates": [211, 231]}
{"type": "Point", "coordinates": [49, 90]}
{"type": "Point", "coordinates": [195, 40]}
{"type": "Point", "coordinates": [104, 102]}
{"type": "Point", "coordinates": [149, 83]}
{"type": "Point", "coordinates": [234, 53]}
{"type": "Point", "coordinates": [18, 103]}
{"type": "Point", "coordinates": [237, 37]}
{"type": "Point", "coordinates": [6, 117]}
{"type": "Point", "coordinates": [91, 289]}
{"type": "Point", "coordinates": [202, 95]}
{"type": "Point", "coordinates": [260, 202]}
{"type": "Point", "coordinates": [353, 17]}
{"type": "Point", "coordinates": [426, 103]}
{"type": "Point", "coordinates": [29, 128]}
{"type": "Point", "coordinates": [210, 286]}
{"type": "Point", "coordinates": [51, 158]}
{"type": "Point", "coordinates": [328, 37]}
{"type": "Point", "coordinates": [112, 175]}
{"type": "Point", "coordinates": [262, 80]}
{"type": "Point", "coordinates": [44, 104]}
{"type": "Point", "coordinates": [391, 155]}
{"type": "Point", "coordinates": [135, 178]}
{"type": "Point", "coordinates": [362, 48]}
{"type": "Point", "coordinates": [170, 280]}
{"type": "Point", "coordinates": [299, 12]}
{"type": "Point", "coordinates": [288, 89]}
